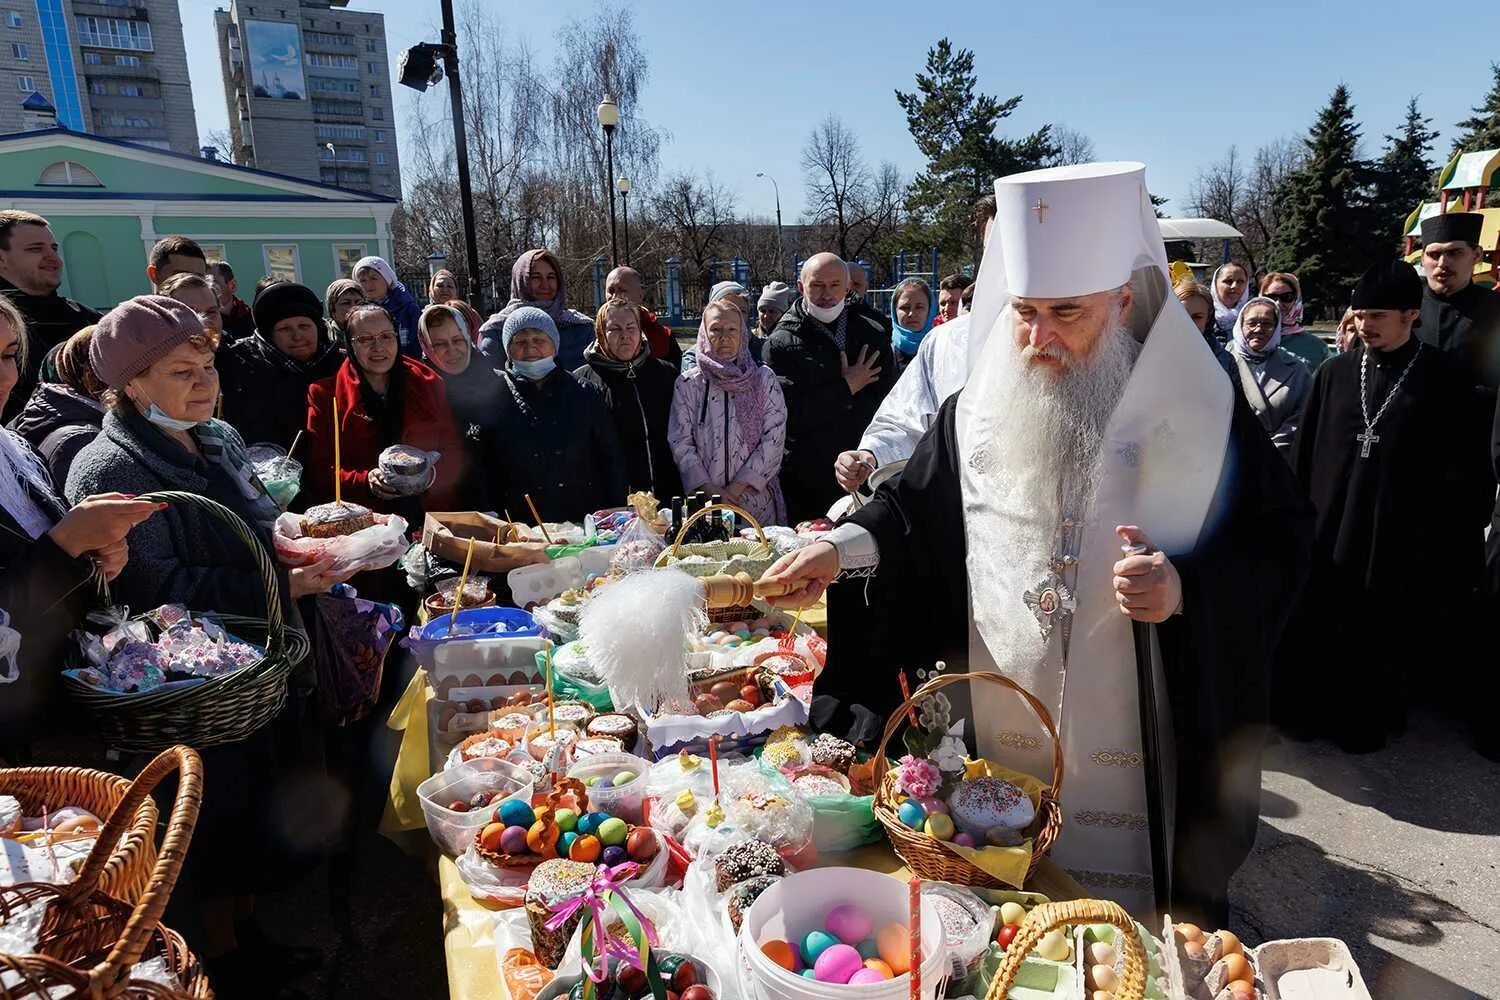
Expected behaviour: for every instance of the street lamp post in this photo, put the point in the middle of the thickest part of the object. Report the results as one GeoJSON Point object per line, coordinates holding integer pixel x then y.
{"type": "Point", "coordinates": [335, 154]}
{"type": "Point", "coordinates": [780, 250]}
{"type": "Point", "coordinates": [623, 186]}
{"type": "Point", "coordinates": [609, 117]}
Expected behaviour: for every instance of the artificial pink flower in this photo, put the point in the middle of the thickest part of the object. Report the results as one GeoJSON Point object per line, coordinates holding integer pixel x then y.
{"type": "Point", "coordinates": [918, 777]}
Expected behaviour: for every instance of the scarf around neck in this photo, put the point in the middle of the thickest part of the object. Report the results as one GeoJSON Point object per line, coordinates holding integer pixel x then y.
{"type": "Point", "coordinates": [738, 377]}
{"type": "Point", "coordinates": [22, 478]}
{"type": "Point", "coordinates": [904, 340]}
{"type": "Point", "coordinates": [520, 291]}
{"type": "Point", "coordinates": [1242, 347]}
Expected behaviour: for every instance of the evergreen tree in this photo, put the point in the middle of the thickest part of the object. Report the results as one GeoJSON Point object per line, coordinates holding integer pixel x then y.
{"type": "Point", "coordinates": [1403, 175]}
{"type": "Point", "coordinates": [1324, 230]}
{"type": "Point", "coordinates": [1483, 130]}
{"type": "Point", "coordinates": [954, 127]}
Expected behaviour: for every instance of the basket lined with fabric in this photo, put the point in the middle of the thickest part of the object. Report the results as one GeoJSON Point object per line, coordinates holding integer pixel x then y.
{"type": "Point", "coordinates": [39, 789]}
{"type": "Point", "coordinates": [1046, 917]}
{"type": "Point", "coordinates": [930, 858]}
{"type": "Point", "coordinates": [738, 555]}
{"type": "Point", "coordinates": [218, 709]}
{"type": "Point", "coordinates": [89, 941]}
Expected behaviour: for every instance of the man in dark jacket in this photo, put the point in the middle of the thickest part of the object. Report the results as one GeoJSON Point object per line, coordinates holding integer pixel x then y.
{"type": "Point", "coordinates": [238, 321]}
{"type": "Point", "coordinates": [625, 283]}
{"type": "Point", "coordinates": [835, 366]}
{"type": "Point", "coordinates": [30, 271]}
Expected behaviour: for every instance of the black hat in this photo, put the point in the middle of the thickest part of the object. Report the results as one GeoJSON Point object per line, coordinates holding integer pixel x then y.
{"type": "Point", "coordinates": [1394, 284]}
{"type": "Point", "coordinates": [284, 299]}
{"type": "Point", "coordinates": [1452, 227]}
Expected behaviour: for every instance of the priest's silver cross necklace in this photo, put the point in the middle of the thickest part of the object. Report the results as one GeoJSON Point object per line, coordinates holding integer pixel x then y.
{"type": "Point", "coordinates": [1369, 437]}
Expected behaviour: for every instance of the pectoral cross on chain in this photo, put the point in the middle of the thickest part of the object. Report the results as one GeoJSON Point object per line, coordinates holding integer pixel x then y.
{"type": "Point", "coordinates": [1368, 438]}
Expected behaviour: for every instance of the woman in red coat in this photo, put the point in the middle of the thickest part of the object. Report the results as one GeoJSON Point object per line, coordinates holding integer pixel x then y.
{"type": "Point", "coordinates": [384, 398]}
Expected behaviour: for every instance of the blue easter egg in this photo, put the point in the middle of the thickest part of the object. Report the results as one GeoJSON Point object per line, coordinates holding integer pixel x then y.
{"type": "Point", "coordinates": [588, 823]}
{"type": "Point", "coordinates": [514, 812]}
{"type": "Point", "coordinates": [808, 974]}
{"type": "Point", "coordinates": [565, 842]}
{"type": "Point", "coordinates": [912, 814]}
{"type": "Point", "coordinates": [814, 943]}
{"type": "Point", "coordinates": [868, 948]}
{"type": "Point", "coordinates": [605, 782]}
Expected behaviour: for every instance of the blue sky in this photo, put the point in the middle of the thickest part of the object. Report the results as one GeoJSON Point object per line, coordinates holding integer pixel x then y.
{"type": "Point", "coordinates": [1172, 85]}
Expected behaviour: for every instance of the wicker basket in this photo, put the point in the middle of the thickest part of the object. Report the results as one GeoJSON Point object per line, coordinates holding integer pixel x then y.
{"type": "Point", "coordinates": [89, 941]}
{"type": "Point", "coordinates": [738, 555]}
{"type": "Point", "coordinates": [129, 868]}
{"type": "Point", "coordinates": [1050, 916]}
{"type": "Point", "coordinates": [221, 709]}
{"type": "Point", "coordinates": [565, 786]}
{"type": "Point", "coordinates": [930, 858]}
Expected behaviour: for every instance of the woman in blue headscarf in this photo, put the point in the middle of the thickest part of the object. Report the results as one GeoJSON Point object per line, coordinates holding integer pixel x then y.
{"type": "Point", "coordinates": [913, 309]}
{"type": "Point", "coordinates": [1273, 380]}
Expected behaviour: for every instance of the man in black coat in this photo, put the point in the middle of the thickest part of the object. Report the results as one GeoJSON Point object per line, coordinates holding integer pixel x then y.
{"type": "Point", "coordinates": [30, 272]}
{"type": "Point", "coordinates": [1458, 316]}
{"type": "Point", "coordinates": [835, 366]}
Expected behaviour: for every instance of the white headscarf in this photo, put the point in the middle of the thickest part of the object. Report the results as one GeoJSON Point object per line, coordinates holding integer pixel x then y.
{"type": "Point", "coordinates": [1241, 346]}
{"type": "Point", "coordinates": [19, 468]}
{"type": "Point", "coordinates": [1224, 316]}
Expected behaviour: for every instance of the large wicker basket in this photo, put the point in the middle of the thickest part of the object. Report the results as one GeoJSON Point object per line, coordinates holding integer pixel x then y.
{"type": "Point", "coordinates": [221, 709]}
{"type": "Point", "coordinates": [1050, 916]}
{"type": "Point", "coordinates": [49, 788]}
{"type": "Point", "coordinates": [89, 941]}
{"type": "Point", "coordinates": [930, 858]}
{"type": "Point", "coordinates": [738, 555]}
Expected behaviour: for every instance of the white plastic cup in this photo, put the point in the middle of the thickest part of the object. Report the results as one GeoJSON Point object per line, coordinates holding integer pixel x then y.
{"type": "Point", "coordinates": [800, 902]}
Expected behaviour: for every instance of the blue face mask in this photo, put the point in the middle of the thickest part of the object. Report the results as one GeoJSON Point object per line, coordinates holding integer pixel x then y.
{"type": "Point", "coordinates": [157, 416]}
{"type": "Point", "coordinates": [534, 371]}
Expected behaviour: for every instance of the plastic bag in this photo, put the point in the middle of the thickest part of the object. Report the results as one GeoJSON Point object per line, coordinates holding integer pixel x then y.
{"type": "Point", "coordinates": [405, 470]}
{"type": "Point", "coordinates": [637, 548]}
{"type": "Point", "coordinates": [375, 547]}
{"type": "Point", "coordinates": [766, 807]}
{"type": "Point", "coordinates": [566, 684]}
{"type": "Point", "coordinates": [350, 639]}
{"type": "Point", "coordinates": [491, 886]}
{"type": "Point", "coordinates": [280, 475]}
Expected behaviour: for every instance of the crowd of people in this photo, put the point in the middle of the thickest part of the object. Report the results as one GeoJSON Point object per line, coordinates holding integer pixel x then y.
{"type": "Point", "coordinates": [786, 401]}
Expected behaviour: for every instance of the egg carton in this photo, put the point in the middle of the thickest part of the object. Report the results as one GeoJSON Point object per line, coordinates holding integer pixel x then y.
{"type": "Point", "coordinates": [1290, 969]}
{"type": "Point", "coordinates": [1084, 937]}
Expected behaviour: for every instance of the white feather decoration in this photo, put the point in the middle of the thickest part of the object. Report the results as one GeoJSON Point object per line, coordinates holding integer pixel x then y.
{"type": "Point", "coordinates": [636, 632]}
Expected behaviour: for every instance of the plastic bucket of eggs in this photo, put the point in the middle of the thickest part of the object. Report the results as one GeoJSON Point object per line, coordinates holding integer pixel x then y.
{"type": "Point", "coordinates": [614, 783]}
{"type": "Point", "coordinates": [459, 801]}
{"type": "Point", "coordinates": [825, 932]}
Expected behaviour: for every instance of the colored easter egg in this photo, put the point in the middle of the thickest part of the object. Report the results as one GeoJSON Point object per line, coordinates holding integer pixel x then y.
{"type": "Point", "coordinates": [513, 840]}
{"type": "Point", "coordinates": [725, 690]}
{"type": "Point", "coordinates": [684, 977]}
{"type": "Point", "coordinates": [867, 949]}
{"type": "Point", "coordinates": [612, 856]}
{"type": "Point", "coordinates": [808, 974]}
{"type": "Point", "coordinates": [964, 840]}
{"type": "Point", "coordinates": [814, 943]}
{"type": "Point", "coordinates": [895, 948]}
{"type": "Point", "coordinates": [585, 848]}
{"type": "Point", "coordinates": [566, 820]}
{"type": "Point", "coordinates": [880, 967]}
{"type": "Point", "coordinates": [491, 836]}
{"type": "Point", "coordinates": [848, 923]}
{"type": "Point", "coordinates": [588, 823]}
{"type": "Point", "coordinates": [542, 838]}
{"type": "Point", "coordinates": [565, 843]}
{"type": "Point", "coordinates": [863, 976]}
{"type": "Point", "coordinates": [623, 778]}
{"type": "Point", "coordinates": [783, 954]}
{"type": "Point", "coordinates": [612, 832]}
{"type": "Point", "coordinates": [591, 781]}
{"type": "Point", "coordinates": [837, 963]}
{"type": "Point", "coordinates": [932, 806]}
{"type": "Point", "coordinates": [601, 781]}
{"type": "Point", "coordinates": [642, 845]}
{"type": "Point", "coordinates": [739, 705]}
{"type": "Point", "coordinates": [912, 814]}
{"type": "Point", "coordinates": [751, 693]}
{"type": "Point", "coordinates": [939, 826]}
{"type": "Point", "coordinates": [696, 992]}
{"type": "Point", "coordinates": [514, 812]}
{"type": "Point", "coordinates": [1012, 913]}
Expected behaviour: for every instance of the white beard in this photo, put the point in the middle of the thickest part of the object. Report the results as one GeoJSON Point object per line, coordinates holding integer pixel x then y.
{"type": "Point", "coordinates": [1040, 449]}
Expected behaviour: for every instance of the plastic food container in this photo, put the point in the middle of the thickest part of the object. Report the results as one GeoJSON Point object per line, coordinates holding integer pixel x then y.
{"type": "Point", "coordinates": [454, 831]}
{"type": "Point", "coordinates": [509, 654]}
{"type": "Point", "coordinates": [800, 902]}
{"type": "Point", "coordinates": [626, 802]}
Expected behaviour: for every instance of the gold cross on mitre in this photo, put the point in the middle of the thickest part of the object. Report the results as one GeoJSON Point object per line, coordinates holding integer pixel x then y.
{"type": "Point", "coordinates": [1040, 208]}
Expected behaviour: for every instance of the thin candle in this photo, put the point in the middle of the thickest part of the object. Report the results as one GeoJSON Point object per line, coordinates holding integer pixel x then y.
{"type": "Point", "coordinates": [458, 595]}
{"type": "Point", "coordinates": [538, 517]}
{"type": "Point", "coordinates": [338, 468]}
{"type": "Point", "coordinates": [914, 897]}
{"type": "Point", "coordinates": [911, 714]}
{"type": "Point", "coordinates": [281, 469]}
{"type": "Point", "coordinates": [713, 762]}
{"type": "Point", "coordinates": [551, 722]}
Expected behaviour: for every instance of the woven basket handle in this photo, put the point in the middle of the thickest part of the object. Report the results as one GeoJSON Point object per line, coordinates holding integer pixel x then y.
{"type": "Point", "coordinates": [986, 677]}
{"type": "Point", "coordinates": [276, 630]}
{"type": "Point", "coordinates": [169, 858]}
{"type": "Point", "coordinates": [1050, 916]}
{"type": "Point", "coordinates": [709, 509]}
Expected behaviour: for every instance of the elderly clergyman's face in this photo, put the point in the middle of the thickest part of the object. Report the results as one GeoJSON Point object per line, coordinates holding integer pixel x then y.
{"type": "Point", "coordinates": [1055, 334]}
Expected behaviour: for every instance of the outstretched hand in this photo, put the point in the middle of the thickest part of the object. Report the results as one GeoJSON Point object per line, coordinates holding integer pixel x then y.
{"type": "Point", "coordinates": [804, 575]}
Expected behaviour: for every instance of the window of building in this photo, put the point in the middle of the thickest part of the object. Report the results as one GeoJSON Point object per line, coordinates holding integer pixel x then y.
{"type": "Point", "coordinates": [281, 260]}
{"type": "Point", "coordinates": [338, 108]}
{"type": "Point", "coordinates": [132, 90]}
{"type": "Point", "coordinates": [25, 84]}
{"type": "Point", "coordinates": [327, 38]}
{"type": "Point", "coordinates": [345, 256]}
{"type": "Point", "coordinates": [114, 33]}
{"type": "Point", "coordinates": [330, 61]}
{"type": "Point", "coordinates": [378, 114]}
{"type": "Point", "coordinates": [18, 50]}
{"type": "Point", "coordinates": [328, 85]}
{"type": "Point", "coordinates": [372, 68]}
{"type": "Point", "coordinates": [13, 19]}
{"type": "Point", "coordinates": [380, 135]}
{"type": "Point", "coordinates": [93, 58]}
{"type": "Point", "coordinates": [68, 173]}
{"type": "Point", "coordinates": [376, 90]}
{"type": "Point", "coordinates": [133, 62]}
{"type": "Point", "coordinates": [213, 252]}
{"type": "Point", "coordinates": [380, 159]}
{"type": "Point", "coordinates": [98, 88]}
{"type": "Point", "coordinates": [355, 132]}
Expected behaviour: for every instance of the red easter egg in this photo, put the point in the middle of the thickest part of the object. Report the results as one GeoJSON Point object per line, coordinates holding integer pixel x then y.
{"type": "Point", "coordinates": [697, 992]}
{"type": "Point", "coordinates": [1007, 935]}
{"type": "Point", "coordinates": [685, 978]}
{"type": "Point", "coordinates": [751, 693]}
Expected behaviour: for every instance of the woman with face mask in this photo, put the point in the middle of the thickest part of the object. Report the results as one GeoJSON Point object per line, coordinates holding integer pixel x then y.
{"type": "Point", "coordinates": [913, 311]}
{"type": "Point", "coordinates": [550, 435]}
{"type": "Point", "coordinates": [384, 398]}
{"type": "Point", "coordinates": [265, 375]}
{"type": "Point", "coordinates": [537, 280]}
{"type": "Point", "coordinates": [1273, 380]}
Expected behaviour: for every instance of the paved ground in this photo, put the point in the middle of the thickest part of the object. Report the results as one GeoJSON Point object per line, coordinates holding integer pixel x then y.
{"type": "Point", "coordinates": [1396, 852]}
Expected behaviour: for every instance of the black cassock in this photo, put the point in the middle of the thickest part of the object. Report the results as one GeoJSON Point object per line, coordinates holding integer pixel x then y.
{"type": "Point", "coordinates": [1467, 325]}
{"type": "Point", "coordinates": [1399, 542]}
{"type": "Point", "coordinates": [1239, 584]}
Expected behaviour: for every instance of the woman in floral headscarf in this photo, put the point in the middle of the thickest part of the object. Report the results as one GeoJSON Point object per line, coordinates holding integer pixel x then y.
{"type": "Point", "coordinates": [537, 280]}
{"type": "Point", "coordinates": [1287, 291]}
{"type": "Point", "coordinates": [728, 426]}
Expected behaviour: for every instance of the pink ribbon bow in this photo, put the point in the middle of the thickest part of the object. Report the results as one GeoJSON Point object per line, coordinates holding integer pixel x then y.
{"type": "Point", "coordinates": [606, 891]}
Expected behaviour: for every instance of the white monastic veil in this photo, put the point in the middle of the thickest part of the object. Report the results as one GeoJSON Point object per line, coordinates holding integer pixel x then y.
{"type": "Point", "coordinates": [1160, 466]}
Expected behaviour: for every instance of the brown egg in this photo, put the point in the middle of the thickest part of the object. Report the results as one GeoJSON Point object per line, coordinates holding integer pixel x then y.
{"type": "Point", "coordinates": [1231, 943]}
{"type": "Point", "coordinates": [1241, 989]}
{"type": "Point", "coordinates": [1188, 932]}
{"type": "Point", "coordinates": [641, 846]}
{"type": "Point", "coordinates": [725, 690]}
{"type": "Point", "coordinates": [1235, 967]}
{"type": "Point", "coordinates": [739, 705]}
{"type": "Point", "coordinates": [1193, 949]}
{"type": "Point", "coordinates": [706, 703]}
{"type": "Point", "coordinates": [752, 694]}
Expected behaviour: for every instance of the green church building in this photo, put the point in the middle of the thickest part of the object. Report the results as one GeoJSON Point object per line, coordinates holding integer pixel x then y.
{"type": "Point", "coordinates": [109, 201]}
